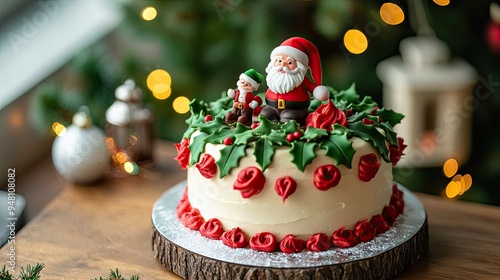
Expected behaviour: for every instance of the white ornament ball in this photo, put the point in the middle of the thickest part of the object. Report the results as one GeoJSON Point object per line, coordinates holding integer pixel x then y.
{"type": "Point", "coordinates": [81, 155]}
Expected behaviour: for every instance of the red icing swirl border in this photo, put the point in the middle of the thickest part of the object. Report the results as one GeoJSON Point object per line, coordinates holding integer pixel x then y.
{"type": "Point", "coordinates": [364, 230]}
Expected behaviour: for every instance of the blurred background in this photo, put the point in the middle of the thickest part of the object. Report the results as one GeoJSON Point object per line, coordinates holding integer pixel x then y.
{"type": "Point", "coordinates": [59, 55]}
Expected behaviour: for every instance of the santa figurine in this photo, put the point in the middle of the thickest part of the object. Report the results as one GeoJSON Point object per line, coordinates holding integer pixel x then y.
{"type": "Point", "coordinates": [244, 99]}
{"type": "Point", "coordinates": [288, 96]}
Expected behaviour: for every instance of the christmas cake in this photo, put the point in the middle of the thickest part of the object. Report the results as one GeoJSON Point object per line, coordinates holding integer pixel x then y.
{"type": "Point", "coordinates": [300, 166]}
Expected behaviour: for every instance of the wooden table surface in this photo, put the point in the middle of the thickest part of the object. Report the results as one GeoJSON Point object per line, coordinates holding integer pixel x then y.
{"type": "Point", "coordinates": [86, 230]}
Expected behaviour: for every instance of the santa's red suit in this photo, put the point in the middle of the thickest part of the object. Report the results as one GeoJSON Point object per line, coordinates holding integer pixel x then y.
{"type": "Point", "coordinates": [242, 111]}
{"type": "Point", "coordinates": [298, 98]}
{"type": "Point", "coordinates": [249, 97]}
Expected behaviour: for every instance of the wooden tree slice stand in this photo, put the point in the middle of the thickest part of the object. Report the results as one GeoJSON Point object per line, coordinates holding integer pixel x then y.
{"type": "Point", "coordinates": [192, 256]}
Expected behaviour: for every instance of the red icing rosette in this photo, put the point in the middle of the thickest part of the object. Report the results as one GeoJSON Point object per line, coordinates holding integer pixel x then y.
{"type": "Point", "coordinates": [234, 238]}
{"type": "Point", "coordinates": [368, 167]}
{"type": "Point", "coordinates": [250, 181]}
{"type": "Point", "coordinates": [207, 166]}
{"type": "Point", "coordinates": [184, 205]}
{"type": "Point", "coordinates": [365, 231]}
{"type": "Point", "coordinates": [344, 238]}
{"type": "Point", "coordinates": [396, 191]}
{"type": "Point", "coordinates": [398, 203]}
{"type": "Point", "coordinates": [379, 223]}
{"type": "Point", "coordinates": [212, 229]}
{"type": "Point", "coordinates": [390, 214]}
{"type": "Point", "coordinates": [396, 152]}
{"type": "Point", "coordinates": [192, 219]}
{"type": "Point", "coordinates": [289, 244]}
{"type": "Point", "coordinates": [326, 176]}
{"type": "Point", "coordinates": [319, 242]}
{"type": "Point", "coordinates": [183, 153]}
{"type": "Point", "coordinates": [285, 186]}
{"type": "Point", "coordinates": [263, 241]}
{"type": "Point", "coordinates": [325, 116]}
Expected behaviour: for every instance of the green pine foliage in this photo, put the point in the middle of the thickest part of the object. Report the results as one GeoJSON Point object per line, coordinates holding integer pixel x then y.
{"type": "Point", "coordinates": [115, 275]}
{"type": "Point", "coordinates": [34, 273]}
{"type": "Point", "coordinates": [28, 273]}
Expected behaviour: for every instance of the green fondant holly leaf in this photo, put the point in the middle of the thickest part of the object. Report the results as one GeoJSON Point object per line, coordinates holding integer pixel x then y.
{"type": "Point", "coordinates": [371, 134]}
{"type": "Point", "coordinates": [341, 130]}
{"type": "Point", "coordinates": [390, 135]}
{"type": "Point", "coordinates": [315, 103]}
{"type": "Point", "coordinates": [197, 147]}
{"type": "Point", "coordinates": [215, 125]}
{"type": "Point", "coordinates": [245, 137]}
{"type": "Point", "coordinates": [349, 95]}
{"type": "Point", "coordinates": [389, 116]}
{"type": "Point", "coordinates": [265, 126]}
{"type": "Point", "coordinates": [290, 127]}
{"type": "Point", "coordinates": [219, 136]}
{"type": "Point", "coordinates": [366, 105]}
{"type": "Point", "coordinates": [313, 134]}
{"type": "Point", "coordinates": [221, 106]}
{"type": "Point", "coordinates": [362, 115]}
{"type": "Point", "coordinates": [340, 149]}
{"type": "Point", "coordinates": [229, 158]}
{"type": "Point", "coordinates": [194, 120]}
{"type": "Point", "coordinates": [303, 153]}
{"type": "Point", "coordinates": [276, 138]}
{"type": "Point", "coordinates": [263, 152]}
{"type": "Point", "coordinates": [197, 107]}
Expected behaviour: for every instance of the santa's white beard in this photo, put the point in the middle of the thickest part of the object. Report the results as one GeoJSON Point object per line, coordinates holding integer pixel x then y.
{"type": "Point", "coordinates": [243, 92]}
{"type": "Point", "coordinates": [282, 83]}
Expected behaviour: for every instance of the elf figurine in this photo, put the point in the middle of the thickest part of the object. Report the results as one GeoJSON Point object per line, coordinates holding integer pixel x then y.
{"type": "Point", "coordinates": [244, 99]}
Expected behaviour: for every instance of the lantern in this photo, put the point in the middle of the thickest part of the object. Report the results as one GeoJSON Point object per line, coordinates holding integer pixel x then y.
{"type": "Point", "coordinates": [129, 128]}
{"type": "Point", "coordinates": [434, 93]}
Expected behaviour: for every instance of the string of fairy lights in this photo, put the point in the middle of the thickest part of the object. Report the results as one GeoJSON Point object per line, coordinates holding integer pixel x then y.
{"type": "Point", "coordinates": [355, 41]}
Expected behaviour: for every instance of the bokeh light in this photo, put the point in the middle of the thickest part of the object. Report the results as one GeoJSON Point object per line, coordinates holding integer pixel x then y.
{"type": "Point", "coordinates": [148, 13]}
{"type": "Point", "coordinates": [121, 157]}
{"type": "Point", "coordinates": [162, 91]}
{"type": "Point", "coordinates": [158, 76]}
{"type": "Point", "coordinates": [159, 82]}
{"type": "Point", "coordinates": [391, 14]}
{"type": "Point", "coordinates": [442, 2]}
{"type": "Point", "coordinates": [355, 41]}
{"type": "Point", "coordinates": [450, 167]}
{"type": "Point", "coordinates": [181, 105]}
{"type": "Point", "coordinates": [453, 189]}
{"type": "Point", "coordinates": [468, 181]}
{"type": "Point", "coordinates": [128, 167]}
{"type": "Point", "coordinates": [59, 129]}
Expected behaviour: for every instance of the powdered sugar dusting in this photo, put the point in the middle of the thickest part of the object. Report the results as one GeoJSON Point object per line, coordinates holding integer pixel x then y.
{"type": "Point", "coordinates": [165, 220]}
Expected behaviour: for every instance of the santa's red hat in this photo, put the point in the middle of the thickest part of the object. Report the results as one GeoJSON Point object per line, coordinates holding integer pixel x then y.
{"type": "Point", "coordinates": [304, 51]}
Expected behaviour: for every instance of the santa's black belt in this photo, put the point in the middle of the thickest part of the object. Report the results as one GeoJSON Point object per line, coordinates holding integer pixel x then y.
{"type": "Point", "coordinates": [284, 104]}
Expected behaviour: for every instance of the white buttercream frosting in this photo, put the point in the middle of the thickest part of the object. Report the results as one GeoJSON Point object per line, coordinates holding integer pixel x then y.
{"type": "Point", "coordinates": [307, 211]}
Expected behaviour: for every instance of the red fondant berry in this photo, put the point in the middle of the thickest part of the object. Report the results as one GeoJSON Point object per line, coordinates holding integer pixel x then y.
{"type": "Point", "coordinates": [254, 125]}
{"type": "Point", "coordinates": [289, 137]}
{"type": "Point", "coordinates": [208, 118]}
{"type": "Point", "coordinates": [297, 134]}
{"type": "Point", "coordinates": [367, 121]}
{"type": "Point", "coordinates": [228, 141]}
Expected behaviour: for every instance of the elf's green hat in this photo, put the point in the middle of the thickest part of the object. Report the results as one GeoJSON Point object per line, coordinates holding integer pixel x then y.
{"type": "Point", "coordinates": [253, 77]}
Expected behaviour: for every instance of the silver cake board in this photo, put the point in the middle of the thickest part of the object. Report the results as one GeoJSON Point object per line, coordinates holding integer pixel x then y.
{"type": "Point", "coordinates": [192, 256]}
